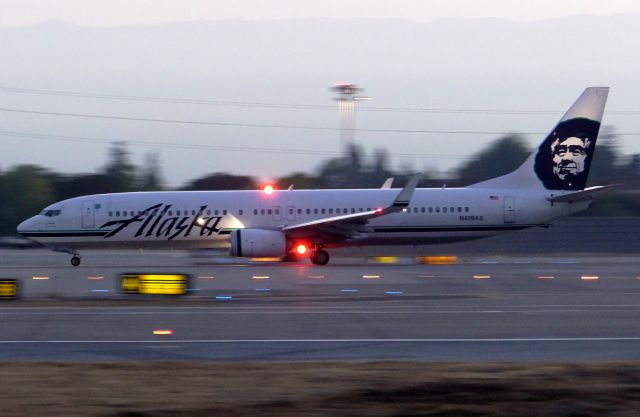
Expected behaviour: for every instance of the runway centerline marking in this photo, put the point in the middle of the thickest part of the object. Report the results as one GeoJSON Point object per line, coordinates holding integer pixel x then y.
{"type": "Point", "coordinates": [266, 341]}
{"type": "Point", "coordinates": [327, 310]}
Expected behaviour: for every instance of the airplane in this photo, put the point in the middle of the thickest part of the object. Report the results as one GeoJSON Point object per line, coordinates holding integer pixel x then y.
{"type": "Point", "coordinates": [294, 223]}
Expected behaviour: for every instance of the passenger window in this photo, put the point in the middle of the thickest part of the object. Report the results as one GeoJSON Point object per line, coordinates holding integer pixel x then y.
{"type": "Point", "coordinates": [453, 209]}
{"type": "Point", "coordinates": [117, 214]}
{"type": "Point", "coordinates": [170, 212]}
{"type": "Point", "coordinates": [290, 211]}
{"type": "Point", "coordinates": [255, 212]}
{"type": "Point", "coordinates": [308, 211]}
{"type": "Point", "coordinates": [269, 212]}
{"type": "Point", "coordinates": [322, 211]}
{"type": "Point", "coordinates": [353, 210]}
{"type": "Point", "coordinates": [110, 214]}
{"type": "Point", "coordinates": [466, 209]}
{"type": "Point", "coordinates": [459, 209]}
{"type": "Point", "coordinates": [217, 212]}
{"type": "Point", "coordinates": [315, 211]}
{"type": "Point", "coordinates": [262, 211]}
{"type": "Point", "coordinates": [330, 211]}
{"type": "Point", "coordinates": [444, 209]}
{"type": "Point", "coordinates": [437, 209]}
{"type": "Point", "coordinates": [360, 209]}
{"type": "Point", "coordinates": [422, 209]}
{"type": "Point", "coordinates": [299, 211]}
{"type": "Point", "coordinates": [224, 212]}
{"type": "Point", "coordinates": [430, 209]}
{"type": "Point", "coordinates": [240, 212]}
{"type": "Point", "coordinates": [277, 211]}
{"type": "Point", "coordinates": [177, 212]}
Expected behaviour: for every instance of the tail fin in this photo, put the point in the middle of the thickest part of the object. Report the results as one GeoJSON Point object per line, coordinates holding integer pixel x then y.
{"type": "Point", "coordinates": [563, 160]}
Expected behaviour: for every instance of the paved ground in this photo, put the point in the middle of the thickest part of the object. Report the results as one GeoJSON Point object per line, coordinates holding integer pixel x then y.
{"type": "Point", "coordinates": [578, 308]}
{"type": "Point", "coordinates": [492, 305]}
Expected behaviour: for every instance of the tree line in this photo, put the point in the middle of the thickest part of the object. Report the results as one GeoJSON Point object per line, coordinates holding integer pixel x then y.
{"type": "Point", "coordinates": [27, 189]}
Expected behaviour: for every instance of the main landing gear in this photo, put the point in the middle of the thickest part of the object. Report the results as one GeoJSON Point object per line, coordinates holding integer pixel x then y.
{"type": "Point", "coordinates": [75, 260]}
{"type": "Point", "coordinates": [320, 257]}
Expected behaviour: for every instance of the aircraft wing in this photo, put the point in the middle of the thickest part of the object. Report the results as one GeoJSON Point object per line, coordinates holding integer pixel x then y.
{"type": "Point", "coordinates": [350, 225]}
{"type": "Point", "coordinates": [582, 195]}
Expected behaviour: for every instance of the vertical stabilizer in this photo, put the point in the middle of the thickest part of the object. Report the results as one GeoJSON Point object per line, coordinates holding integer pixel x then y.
{"type": "Point", "coordinates": [563, 159]}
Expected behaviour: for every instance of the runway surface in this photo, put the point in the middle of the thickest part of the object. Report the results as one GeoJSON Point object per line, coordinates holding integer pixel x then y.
{"type": "Point", "coordinates": [482, 308]}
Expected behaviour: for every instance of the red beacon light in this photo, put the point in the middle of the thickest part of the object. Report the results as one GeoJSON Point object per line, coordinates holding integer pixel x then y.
{"type": "Point", "coordinates": [379, 210]}
{"type": "Point", "coordinates": [301, 249]}
{"type": "Point", "coordinates": [268, 189]}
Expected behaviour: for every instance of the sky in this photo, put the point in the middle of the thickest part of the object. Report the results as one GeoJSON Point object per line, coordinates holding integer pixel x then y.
{"type": "Point", "coordinates": [123, 12]}
{"type": "Point", "coordinates": [537, 60]}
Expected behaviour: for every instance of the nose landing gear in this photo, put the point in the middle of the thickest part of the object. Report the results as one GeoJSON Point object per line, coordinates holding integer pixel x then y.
{"type": "Point", "coordinates": [320, 257]}
{"type": "Point", "coordinates": [75, 260]}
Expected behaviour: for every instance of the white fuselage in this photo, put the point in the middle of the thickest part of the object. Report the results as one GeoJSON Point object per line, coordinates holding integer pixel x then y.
{"type": "Point", "coordinates": [204, 219]}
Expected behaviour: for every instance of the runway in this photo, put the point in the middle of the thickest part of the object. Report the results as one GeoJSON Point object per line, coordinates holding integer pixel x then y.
{"type": "Point", "coordinates": [482, 308]}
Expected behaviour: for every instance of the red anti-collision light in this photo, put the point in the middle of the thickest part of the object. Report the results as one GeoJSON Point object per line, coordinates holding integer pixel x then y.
{"type": "Point", "coordinates": [301, 249]}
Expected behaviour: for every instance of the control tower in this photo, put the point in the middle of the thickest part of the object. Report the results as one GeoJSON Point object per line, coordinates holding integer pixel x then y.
{"type": "Point", "coordinates": [346, 95]}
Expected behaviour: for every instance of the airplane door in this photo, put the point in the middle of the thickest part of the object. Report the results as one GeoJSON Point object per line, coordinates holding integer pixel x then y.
{"type": "Point", "coordinates": [291, 213]}
{"type": "Point", "coordinates": [277, 213]}
{"type": "Point", "coordinates": [509, 209]}
{"type": "Point", "coordinates": [88, 214]}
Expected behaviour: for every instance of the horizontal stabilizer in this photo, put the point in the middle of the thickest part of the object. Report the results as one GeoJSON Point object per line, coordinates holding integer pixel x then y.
{"type": "Point", "coordinates": [586, 194]}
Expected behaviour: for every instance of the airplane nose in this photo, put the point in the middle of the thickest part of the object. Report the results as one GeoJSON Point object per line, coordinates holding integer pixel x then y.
{"type": "Point", "coordinates": [26, 226]}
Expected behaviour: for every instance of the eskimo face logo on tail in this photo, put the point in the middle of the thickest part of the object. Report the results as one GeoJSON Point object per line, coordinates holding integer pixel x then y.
{"type": "Point", "coordinates": [564, 158]}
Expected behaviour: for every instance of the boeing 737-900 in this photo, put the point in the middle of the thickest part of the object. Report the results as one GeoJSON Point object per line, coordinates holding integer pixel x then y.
{"type": "Point", "coordinates": [548, 185]}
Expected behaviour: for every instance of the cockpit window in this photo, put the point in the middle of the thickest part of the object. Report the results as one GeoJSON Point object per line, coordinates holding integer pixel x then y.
{"type": "Point", "coordinates": [51, 213]}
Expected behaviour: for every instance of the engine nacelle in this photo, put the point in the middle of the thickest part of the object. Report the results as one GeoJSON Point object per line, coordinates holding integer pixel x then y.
{"type": "Point", "coordinates": [258, 243]}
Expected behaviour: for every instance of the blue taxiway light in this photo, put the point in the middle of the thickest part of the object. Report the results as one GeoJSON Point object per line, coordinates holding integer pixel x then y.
{"type": "Point", "coordinates": [224, 297]}
{"type": "Point", "coordinates": [263, 289]}
{"type": "Point", "coordinates": [349, 290]}
{"type": "Point", "coordinates": [393, 292]}
{"type": "Point", "coordinates": [99, 290]}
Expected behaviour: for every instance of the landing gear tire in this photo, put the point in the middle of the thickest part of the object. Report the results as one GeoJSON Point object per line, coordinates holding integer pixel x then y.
{"type": "Point", "coordinates": [320, 257]}
{"type": "Point", "coordinates": [75, 261]}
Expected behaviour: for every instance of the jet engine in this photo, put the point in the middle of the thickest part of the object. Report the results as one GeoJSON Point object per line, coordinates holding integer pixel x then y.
{"type": "Point", "coordinates": [259, 243]}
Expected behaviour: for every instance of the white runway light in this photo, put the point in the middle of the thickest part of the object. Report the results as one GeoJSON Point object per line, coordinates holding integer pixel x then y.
{"type": "Point", "coordinates": [589, 277]}
{"type": "Point", "coordinates": [481, 276]}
